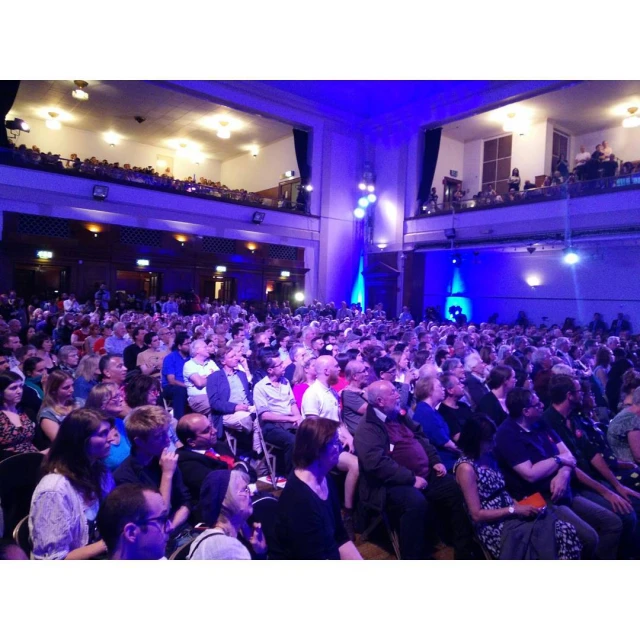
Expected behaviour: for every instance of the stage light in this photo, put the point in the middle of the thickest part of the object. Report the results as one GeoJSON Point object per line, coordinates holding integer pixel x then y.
{"type": "Point", "coordinates": [363, 203]}
{"type": "Point", "coordinates": [370, 188]}
{"type": "Point", "coordinates": [309, 188]}
{"type": "Point", "coordinates": [456, 259]}
{"type": "Point", "coordinates": [362, 186]}
{"type": "Point", "coordinates": [100, 192]}
{"type": "Point", "coordinates": [359, 213]}
{"type": "Point", "coordinates": [258, 217]}
{"type": "Point", "coordinates": [372, 197]}
{"type": "Point", "coordinates": [571, 257]}
{"type": "Point", "coordinates": [17, 124]}
{"type": "Point", "coordinates": [533, 281]}
{"type": "Point", "coordinates": [299, 296]}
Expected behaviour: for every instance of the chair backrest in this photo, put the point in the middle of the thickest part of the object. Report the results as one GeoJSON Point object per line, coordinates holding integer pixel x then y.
{"type": "Point", "coordinates": [181, 552]}
{"type": "Point", "coordinates": [21, 535]}
{"type": "Point", "coordinates": [19, 476]}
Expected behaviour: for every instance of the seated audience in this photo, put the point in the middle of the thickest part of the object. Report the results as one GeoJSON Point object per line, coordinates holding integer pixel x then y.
{"type": "Point", "coordinates": [534, 460]}
{"type": "Point", "coordinates": [152, 464]}
{"type": "Point", "coordinates": [308, 524]}
{"type": "Point", "coordinates": [112, 369]}
{"type": "Point", "coordinates": [225, 505]}
{"type": "Point", "coordinates": [134, 523]}
{"type": "Point", "coordinates": [56, 405]}
{"type": "Point", "coordinates": [623, 432]}
{"type": "Point", "coordinates": [429, 394]}
{"type": "Point", "coordinates": [453, 409]}
{"type": "Point", "coordinates": [303, 377]}
{"type": "Point", "coordinates": [507, 529]}
{"type": "Point", "coordinates": [107, 398]}
{"type": "Point", "coordinates": [276, 408]}
{"type": "Point", "coordinates": [396, 459]}
{"type": "Point", "coordinates": [231, 400]}
{"type": "Point", "coordinates": [354, 403]}
{"type": "Point", "coordinates": [195, 373]}
{"type": "Point", "coordinates": [68, 359]}
{"type": "Point", "coordinates": [500, 381]}
{"type": "Point", "coordinates": [87, 377]}
{"type": "Point", "coordinates": [35, 377]}
{"type": "Point", "coordinates": [17, 431]}
{"type": "Point", "coordinates": [174, 388]}
{"type": "Point", "coordinates": [475, 380]}
{"type": "Point", "coordinates": [65, 503]}
{"type": "Point", "coordinates": [150, 360]}
{"type": "Point", "coordinates": [43, 344]}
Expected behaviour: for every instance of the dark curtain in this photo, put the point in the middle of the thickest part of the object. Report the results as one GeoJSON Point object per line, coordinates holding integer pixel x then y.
{"type": "Point", "coordinates": [8, 93]}
{"type": "Point", "coordinates": [429, 160]}
{"type": "Point", "coordinates": [301, 143]}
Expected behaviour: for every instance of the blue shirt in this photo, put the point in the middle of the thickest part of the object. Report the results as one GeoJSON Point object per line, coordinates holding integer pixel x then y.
{"type": "Point", "coordinates": [118, 453]}
{"type": "Point", "coordinates": [437, 430]}
{"type": "Point", "coordinates": [173, 365]}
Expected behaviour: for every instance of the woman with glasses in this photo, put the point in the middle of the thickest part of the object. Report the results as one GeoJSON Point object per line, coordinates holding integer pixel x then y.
{"type": "Point", "coordinates": [65, 503]}
{"type": "Point", "coordinates": [308, 522]}
{"type": "Point", "coordinates": [225, 506]}
{"type": "Point", "coordinates": [107, 398]}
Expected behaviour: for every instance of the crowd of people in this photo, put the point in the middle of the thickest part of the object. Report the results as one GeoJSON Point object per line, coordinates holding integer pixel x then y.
{"type": "Point", "coordinates": [149, 176]}
{"type": "Point", "coordinates": [159, 432]}
{"type": "Point", "coordinates": [590, 171]}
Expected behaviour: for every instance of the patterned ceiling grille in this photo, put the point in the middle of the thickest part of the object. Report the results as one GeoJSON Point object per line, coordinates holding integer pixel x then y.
{"type": "Point", "coordinates": [135, 235]}
{"type": "Point", "coordinates": [44, 226]}
{"type": "Point", "coordinates": [282, 252]}
{"type": "Point", "coordinates": [218, 245]}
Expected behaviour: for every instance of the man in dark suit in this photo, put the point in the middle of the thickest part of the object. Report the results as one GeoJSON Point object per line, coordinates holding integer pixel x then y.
{"type": "Point", "coordinates": [400, 472]}
{"type": "Point", "coordinates": [197, 457]}
{"type": "Point", "coordinates": [474, 381]}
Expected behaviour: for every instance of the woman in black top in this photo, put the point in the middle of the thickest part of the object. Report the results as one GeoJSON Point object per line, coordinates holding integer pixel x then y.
{"type": "Point", "coordinates": [308, 522]}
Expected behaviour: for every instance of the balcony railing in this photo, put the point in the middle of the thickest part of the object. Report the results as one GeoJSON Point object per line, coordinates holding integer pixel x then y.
{"type": "Point", "coordinates": [118, 175]}
{"type": "Point", "coordinates": [530, 196]}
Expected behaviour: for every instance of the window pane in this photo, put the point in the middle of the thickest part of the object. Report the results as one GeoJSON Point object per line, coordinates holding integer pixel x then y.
{"type": "Point", "coordinates": [504, 146]}
{"type": "Point", "coordinates": [504, 169]}
{"type": "Point", "coordinates": [489, 171]}
{"type": "Point", "coordinates": [490, 150]}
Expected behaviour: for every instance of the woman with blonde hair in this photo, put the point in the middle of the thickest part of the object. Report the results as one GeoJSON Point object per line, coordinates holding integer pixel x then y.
{"type": "Point", "coordinates": [304, 376]}
{"type": "Point", "coordinates": [86, 377]}
{"type": "Point", "coordinates": [57, 404]}
{"type": "Point", "coordinates": [107, 398]}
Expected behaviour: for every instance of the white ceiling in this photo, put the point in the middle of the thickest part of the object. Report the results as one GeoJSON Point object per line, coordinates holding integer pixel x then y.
{"type": "Point", "coordinates": [169, 115]}
{"type": "Point", "coordinates": [582, 108]}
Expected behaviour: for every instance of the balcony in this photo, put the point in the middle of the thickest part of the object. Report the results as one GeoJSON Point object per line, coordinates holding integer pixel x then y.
{"type": "Point", "coordinates": [119, 175]}
{"type": "Point", "coordinates": [604, 207]}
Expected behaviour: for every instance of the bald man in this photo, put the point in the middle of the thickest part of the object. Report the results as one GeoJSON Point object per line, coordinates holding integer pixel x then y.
{"type": "Point", "coordinates": [401, 472]}
{"type": "Point", "coordinates": [322, 401]}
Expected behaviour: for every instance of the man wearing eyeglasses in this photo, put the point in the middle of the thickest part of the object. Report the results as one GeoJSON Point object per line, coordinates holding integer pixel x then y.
{"type": "Point", "coordinates": [134, 523]}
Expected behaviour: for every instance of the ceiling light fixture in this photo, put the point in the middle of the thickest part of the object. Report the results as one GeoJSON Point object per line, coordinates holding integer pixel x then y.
{"type": "Point", "coordinates": [52, 121]}
{"type": "Point", "coordinates": [633, 120]}
{"type": "Point", "coordinates": [79, 93]}
{"type": "Point", "coordinates": [111, 138]}
{"type": "Point", "coordinates": [515, 124]}
{"type": "Point", "coordinates": [571, 256]}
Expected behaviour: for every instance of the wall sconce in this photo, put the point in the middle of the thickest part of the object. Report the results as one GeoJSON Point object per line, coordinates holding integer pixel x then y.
{"type": "Point", "coordinates": [252, 247]}
{"type": "Point", "coordinates": [533, 281]}
{"type": "Point", "coordinates": [94, 229]}
{"type": "Point", "coordinates": [44, 255]}
{"type": "Point", "coordinates": [181, 239]}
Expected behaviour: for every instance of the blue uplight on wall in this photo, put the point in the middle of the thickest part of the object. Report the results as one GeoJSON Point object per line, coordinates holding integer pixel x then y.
{"type": "Point", "coordinates": [357, 294]}
{"type": "Point", "coordinates": [456, 297]}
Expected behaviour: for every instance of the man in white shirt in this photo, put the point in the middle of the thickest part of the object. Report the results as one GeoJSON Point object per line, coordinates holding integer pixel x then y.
{"type": "Point", "coordinates": [322, 401]}
{"type": "Point", "coordinates": [581, 160]}
{"type": "Point", "coordinates": [71, 304]}
{"type": "Point", "coordinates": [195, 374]}
{"type": "Point", "coordinates": [234, 310]}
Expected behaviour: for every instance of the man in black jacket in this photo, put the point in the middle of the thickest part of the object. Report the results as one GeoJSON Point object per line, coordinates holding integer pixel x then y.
{"type": "Point", "coordinates": [400, 471]}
